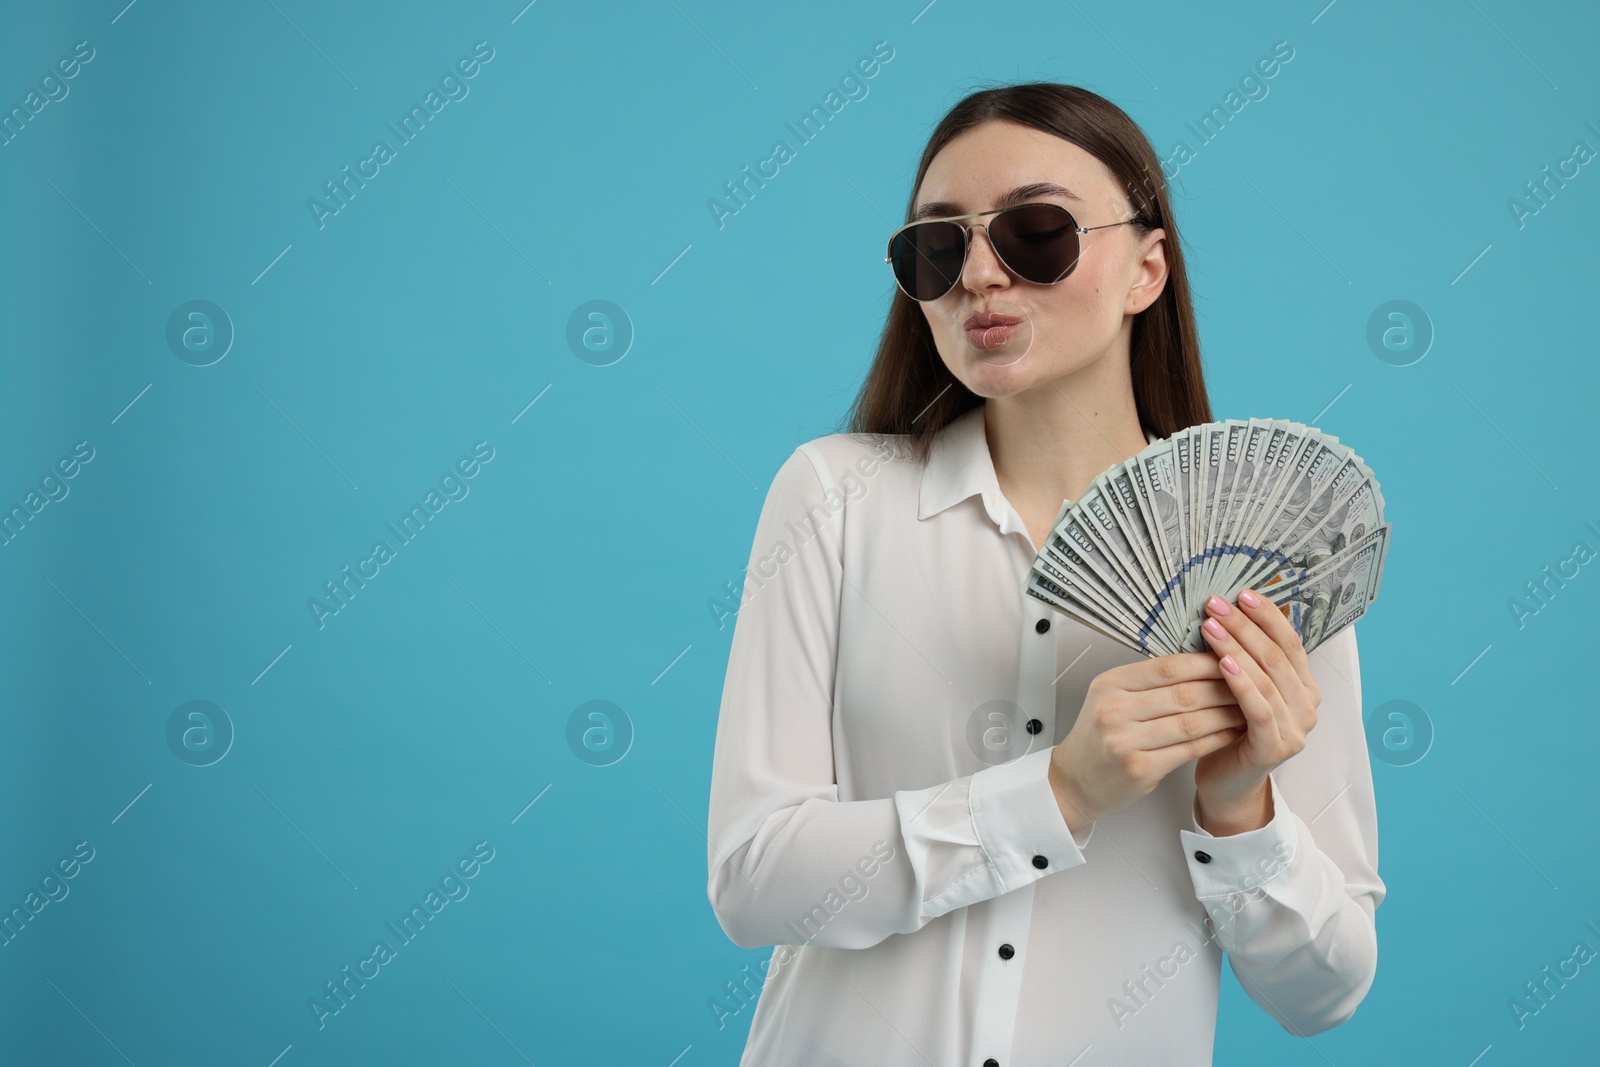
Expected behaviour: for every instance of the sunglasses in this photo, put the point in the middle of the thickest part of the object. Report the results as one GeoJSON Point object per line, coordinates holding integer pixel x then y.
{"type": "Point", "coordinates": [1036, 242]}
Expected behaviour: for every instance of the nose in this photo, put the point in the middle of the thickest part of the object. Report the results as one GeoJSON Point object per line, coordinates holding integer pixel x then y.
{"type": "Point", "coordinates": [983, 268]}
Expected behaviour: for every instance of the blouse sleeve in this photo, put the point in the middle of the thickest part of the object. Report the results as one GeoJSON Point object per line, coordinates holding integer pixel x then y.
{"type": "Point", "coordinates": [789, 862]}
{"type": "Point", "coordinates": [1292, 902]}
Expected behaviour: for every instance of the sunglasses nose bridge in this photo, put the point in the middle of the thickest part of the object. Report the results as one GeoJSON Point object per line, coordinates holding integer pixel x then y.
{"type": "Point", "coordinates": [966, 263]}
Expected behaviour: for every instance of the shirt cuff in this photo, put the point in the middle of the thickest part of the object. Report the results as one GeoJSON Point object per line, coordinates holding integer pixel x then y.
{"type": "Point", "coordinates": [1019, 823]}
{"type": "Point", "coordinates": [1239, 863]}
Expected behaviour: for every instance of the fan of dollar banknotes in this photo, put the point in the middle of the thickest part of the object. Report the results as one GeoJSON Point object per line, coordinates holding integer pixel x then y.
{"type": "Point", "coordinates": [1267, 504]}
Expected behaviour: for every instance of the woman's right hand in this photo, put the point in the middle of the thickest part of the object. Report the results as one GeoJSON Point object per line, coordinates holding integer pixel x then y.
{"type": "Point", "coordinates": [1138, 723]}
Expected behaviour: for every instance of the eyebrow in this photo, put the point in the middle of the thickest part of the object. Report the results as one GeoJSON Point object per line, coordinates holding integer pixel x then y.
{"type": "Point", "coordinates": [1020, 195]}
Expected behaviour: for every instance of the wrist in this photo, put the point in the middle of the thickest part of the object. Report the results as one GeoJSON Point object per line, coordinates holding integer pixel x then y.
{"type": "Point", "coordinates": [1224, 817]}
{"type": "Point", "coordinates": [1072, 810]}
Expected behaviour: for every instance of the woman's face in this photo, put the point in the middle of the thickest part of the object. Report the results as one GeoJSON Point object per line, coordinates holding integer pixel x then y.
{"type": "Point", "coordinates": [1066, 326]}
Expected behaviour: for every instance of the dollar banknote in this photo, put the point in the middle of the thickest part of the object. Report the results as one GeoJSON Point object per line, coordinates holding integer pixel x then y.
{"type": "Point", "coordinates": [1269, 504]}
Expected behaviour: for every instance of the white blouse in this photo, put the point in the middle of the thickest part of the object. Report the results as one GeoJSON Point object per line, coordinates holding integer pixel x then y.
{"type": "Point", "coordinates": [880, 809]}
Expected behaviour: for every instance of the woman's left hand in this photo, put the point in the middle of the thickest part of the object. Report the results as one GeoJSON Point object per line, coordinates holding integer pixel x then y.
{"type": "Point", "coordinates": [1266, 667]}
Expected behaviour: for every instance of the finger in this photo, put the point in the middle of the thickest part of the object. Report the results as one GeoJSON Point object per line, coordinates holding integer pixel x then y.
{"type": "Point", "coordinates": [1165, 760]}
{"type": "Point", "coordinates": [1248, 682]}
{"type": "Point", "coordinates": [1274, 621]}
{"type": "Point", "coordinates": [1176, 699]}
{"type": "Point", "coordinates": [1175, 729]}
{"type": "Point", "coordinates": [1167, 670]}
{"type": "Point", "coordinates": [1272, 659]}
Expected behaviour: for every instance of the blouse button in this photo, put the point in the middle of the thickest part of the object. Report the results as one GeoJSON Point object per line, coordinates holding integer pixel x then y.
{"type": "Point", "coordinates": [991, 1062]}
{"type": "Point", "coordinates": [1041, 863]}
{"type": "Point", "coordinates": [1034, 726]}
{"type": "Point", "coordinates": [1042, 626]}
{"type": "Point", "coordinates": [1006, 952]}
{"type": "Point", "coordinates": [1203, 857]}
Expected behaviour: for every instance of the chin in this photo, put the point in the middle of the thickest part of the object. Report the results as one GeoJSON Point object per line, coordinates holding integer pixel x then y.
{"type": "Point", "coordinates": [996, 380]}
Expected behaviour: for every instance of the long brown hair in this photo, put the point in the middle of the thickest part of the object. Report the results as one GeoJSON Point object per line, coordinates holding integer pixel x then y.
{"type": "Point", "coordinates": [910, 391]}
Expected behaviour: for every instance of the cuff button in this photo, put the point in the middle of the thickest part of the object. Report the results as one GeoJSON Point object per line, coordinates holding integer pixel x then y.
{"type": "Point", "coordinates": [1041, 863]}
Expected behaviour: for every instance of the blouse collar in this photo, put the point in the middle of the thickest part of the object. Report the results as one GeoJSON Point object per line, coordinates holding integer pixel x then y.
{"type": "Point", "coordinates": [960, 466]}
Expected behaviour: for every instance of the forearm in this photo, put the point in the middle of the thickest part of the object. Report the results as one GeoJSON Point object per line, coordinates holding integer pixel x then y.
{"type": "Point", "coordinates": [798, 876]}
{"type": "Point", "coordinates": [1299, 937]}
{"type": "Point", "coordinates": [1307, 967]}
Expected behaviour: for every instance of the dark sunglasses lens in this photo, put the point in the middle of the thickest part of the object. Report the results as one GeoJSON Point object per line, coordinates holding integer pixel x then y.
{"type": "Point", "coordinates": [927, 258]}
{"type": "Point", "coordinates": [1037, 241]}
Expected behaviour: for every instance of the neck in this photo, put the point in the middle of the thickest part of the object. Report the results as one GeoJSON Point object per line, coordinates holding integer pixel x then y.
{"type": "Point", "coordinates": [1049, 442]}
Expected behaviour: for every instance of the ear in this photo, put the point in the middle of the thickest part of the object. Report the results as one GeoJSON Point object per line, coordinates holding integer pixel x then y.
{"type": "Point", "coordinates": [1152, 277]}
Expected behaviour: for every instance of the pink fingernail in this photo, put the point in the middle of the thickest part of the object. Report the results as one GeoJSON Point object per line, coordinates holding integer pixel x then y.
{"type": "Point", "coordinates": [1214, 628]}
{"type": "Point", "coordinates": [1229, 666]}
{"type": "Point", "coordinates": [1218, 605]}
{"type": "Point", "coordinates": [1249, 599]}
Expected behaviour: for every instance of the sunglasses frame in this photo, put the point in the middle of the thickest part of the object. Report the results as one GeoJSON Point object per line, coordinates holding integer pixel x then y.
{"type": "Point", "coordinates": [966, 242]}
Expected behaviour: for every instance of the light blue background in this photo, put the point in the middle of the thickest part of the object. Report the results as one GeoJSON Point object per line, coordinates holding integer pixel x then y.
{"type": "Point", "coordinates": [430, 312]}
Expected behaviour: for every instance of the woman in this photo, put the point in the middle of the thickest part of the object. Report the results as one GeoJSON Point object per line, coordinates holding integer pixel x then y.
{"type": "Point", "coordinates": [935, 904]}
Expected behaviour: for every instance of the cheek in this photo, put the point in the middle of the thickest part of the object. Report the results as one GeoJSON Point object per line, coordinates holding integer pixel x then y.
{"type": "Point", "coordinates": [1078, 319]}
{"type": "Point", "coordinates": [1101, 299]}
{"type": "Point", "coordinates": [1079, 302]}
{"type": "Point", "coordinates": [1096, 280]}
{"type": "Point", "coordinates": [945, 327]}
